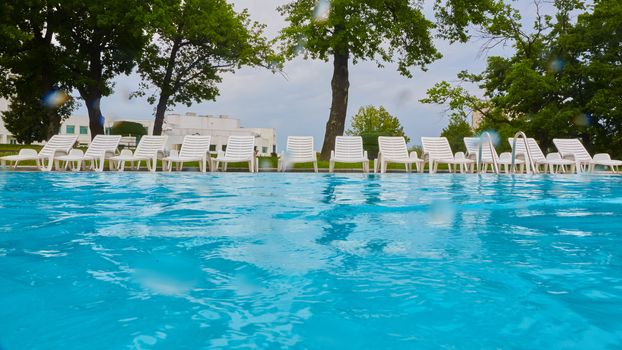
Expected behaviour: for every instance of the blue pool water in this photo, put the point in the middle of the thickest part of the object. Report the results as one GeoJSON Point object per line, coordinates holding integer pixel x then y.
{"type": "Point", "coordinates": [191, 261]}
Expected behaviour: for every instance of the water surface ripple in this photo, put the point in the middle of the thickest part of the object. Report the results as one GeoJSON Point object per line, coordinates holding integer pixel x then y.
{"type": "Point", "coordinates": [191, 261]}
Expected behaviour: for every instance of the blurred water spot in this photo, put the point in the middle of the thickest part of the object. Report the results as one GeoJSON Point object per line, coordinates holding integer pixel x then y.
{"type": "Point", "coordinates": [556, 65]}
{"type": "Point", "coordinates": [404, 96]}
{"type": "Point", "coordinates": [441, 213]}
{"type": "Point", "coordinates": [55, 98]}
{"type": "Point", "coordinates": [300, 45]}
{"type": "Point", "coordinates": [494, 136]}
{"type": "Point", "coordinates": [582, 119]}
{"type": "Point", "coordinates": [321, 11]}
{"type": "Point", "coordinates": [168, 275]}
{"type": "Point", "coordinates": [265, 164]}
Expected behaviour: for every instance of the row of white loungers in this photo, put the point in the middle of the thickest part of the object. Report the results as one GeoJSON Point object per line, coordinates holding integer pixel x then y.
{"type": "Point", "coordinates": [300, 149]}
{"type": "Point", "coordinates": [58, 152]}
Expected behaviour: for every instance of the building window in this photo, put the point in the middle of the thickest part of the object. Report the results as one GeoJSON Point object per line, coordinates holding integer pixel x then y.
{"type": "Point", "coordinates": [108, 131]}
{"type": "Point", "coordinates": [71, 129]}
{"type": "Point", "coordinates": [13, 141]}
{"type": "Point", "coordinates": [212, 148]}
{"type": "Point", "coordinates": [84, 130]}
{"type": "Point", "coordinates": [264, 150]}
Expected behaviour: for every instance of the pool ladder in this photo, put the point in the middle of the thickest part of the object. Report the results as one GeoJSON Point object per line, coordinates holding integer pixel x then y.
{"type": "Point", "coordinates": [529, 164]}
{"type": "Point", "coordinates": [495, 163]}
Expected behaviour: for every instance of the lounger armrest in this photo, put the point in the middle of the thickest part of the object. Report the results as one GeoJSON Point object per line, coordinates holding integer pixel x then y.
{"type": "Point", "coordinates": [173, 153]}
{"type": "Point", "coordinates": [332, 154]}
{"type": "Point", "coordinates": [27, 152]}
{"type": "Point", "coordinates": [414, 155]}
{"type": "Point", "coordinates": [220, 154]}
{"type": "Point", "coordinates": [365, 156]}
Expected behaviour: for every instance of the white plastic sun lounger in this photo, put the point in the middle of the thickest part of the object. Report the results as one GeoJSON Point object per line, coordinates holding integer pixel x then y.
{"type": "Point", "coordinates": [299, 150]}
{"type": "Point", "coordinates": [393, 150]}
{"type": "Point", "coordinates": [436, 150]}
{"type": "Point", "coordinates": [552, 162]}
{"type": "Point", "coordinates": [348, 149]}
{"type": "Point", "coordinates": [102, 147]}
{"type": "Point", "coordinates": [489, 155]}
{"type": "Point", "coordinates": [195, 148]}
{"type": "Point", "coordinates": [56, 146]}
{"type": "Point", "coordinates": [574, 150]}
{"type": "Point", "coordinates": [239, 149]}
{"type": "Point", "coordinates": [149, 150]}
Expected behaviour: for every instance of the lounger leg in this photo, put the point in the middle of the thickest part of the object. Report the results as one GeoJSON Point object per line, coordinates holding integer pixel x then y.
{"type": "Point", "coordinates": [331, 166]}
{"type": "Point", "coordinates": [224, 166]}
{"type": "Point", "coordinates": [251, 167]}
{"type": "Point", "coordinates": [315, 166]}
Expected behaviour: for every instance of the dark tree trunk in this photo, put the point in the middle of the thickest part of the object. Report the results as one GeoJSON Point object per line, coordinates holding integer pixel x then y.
{"type": "Point", "coordinates": [339, 106]}
{"type": "Point", "coordinates": [166, 88]}
{"type": "Point", "coordinates": [159, 114]}
{"type": "Point", "coordinates": [92, 105]}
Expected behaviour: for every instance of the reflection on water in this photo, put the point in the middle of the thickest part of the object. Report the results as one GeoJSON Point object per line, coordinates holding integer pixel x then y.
{"type": "Point", "coordinates": [309, 261]}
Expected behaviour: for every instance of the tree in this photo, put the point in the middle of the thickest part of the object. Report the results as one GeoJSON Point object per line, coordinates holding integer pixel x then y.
{"type": "Point", "coordinates": [194, 43]}
{"type": "Point", "coordinates": [32, 76]}
{"type": "Point", "coordinates": [563, 80]}
{"type": "Point", "coordinates": [126, 128]}
{"type": "Point", "coordinates": [100, 40]}
{"type": "Point", "coordinates": [381, 31]}
{"type": "Point", "coordinates": [372, 120]}
{"type": "Point", "coordinates": [455, 132]}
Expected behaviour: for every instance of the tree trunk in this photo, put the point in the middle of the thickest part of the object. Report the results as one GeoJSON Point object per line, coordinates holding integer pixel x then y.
{"type": "Point", "coordinates": [95, 114]}
{"type": "Point", "coordinates": [165, 89]}
{"type": "Point", "coordinates": [159, 115]}
{"type": "Point", "coordinates": [339, 106]}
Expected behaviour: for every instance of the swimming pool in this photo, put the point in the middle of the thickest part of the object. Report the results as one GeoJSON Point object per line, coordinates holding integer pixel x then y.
{"type": "Point", "coordinates": [165, 261]}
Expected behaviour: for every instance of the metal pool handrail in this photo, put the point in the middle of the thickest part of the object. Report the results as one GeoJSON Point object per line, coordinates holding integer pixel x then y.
{"type": "Point", "coordinates": [495, 164]}
{"type": "Point", "coordinates": [528, 160]}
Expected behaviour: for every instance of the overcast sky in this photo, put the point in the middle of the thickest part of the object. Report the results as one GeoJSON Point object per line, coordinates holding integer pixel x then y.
{"type": "Point", "coordinates": [300, 103]}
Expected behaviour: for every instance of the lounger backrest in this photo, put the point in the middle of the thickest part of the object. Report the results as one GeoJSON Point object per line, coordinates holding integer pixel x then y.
{"type": "Point", "coordinates": [534, 148]}
{"type": "Point", "coordinates": [62, 143]}
{"type": "Point", "coordinates": [150, 146]}
{"type": "Point", "coordinates": [195, 146]}
{"type": "Point", "coordinates": [472, 146]}
{"type": "Point", "coordinates": [349, 147]}
{"type": "Point", "coordinates": [300, 147]}
{"type": "Point", "coordinates": [103, 144]}
{"type": "Point", "coordinates": [240, 147]}
{"type": "Point", "coordinates": [567, 147]}
{"type": "Point", "coordinates": [393, 147]}
{"type": "Point", "coordinates": [436, 148]}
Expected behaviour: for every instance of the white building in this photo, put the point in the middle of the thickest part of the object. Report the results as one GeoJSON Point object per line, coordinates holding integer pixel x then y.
{"type": "Point", "coordinates": [176, 126]}
{"type": "Point", "coordinates": [5, 135]}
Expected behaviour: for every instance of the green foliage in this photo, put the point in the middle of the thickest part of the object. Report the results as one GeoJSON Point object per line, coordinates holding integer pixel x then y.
{"type": "Point", "coordinates": [31, 66]}
{"type": "Point", "coordinates": [194, 43]}
{"type": "Point", "coordinates": [564, 79]}
{"type": "Point", "coordinates": [372, 120]}
{"type": "Point", "coordinates": [382, 31]}
{"type": "Point", "coordinates": [100, 40]}
{"type": "Point", "coordinates": [366, 30]}
{"type": "Point", "coordinates": [455, 132]}
{"type": "Point", "coordinates": [126, 128]}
